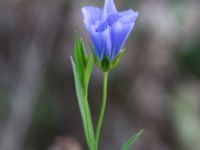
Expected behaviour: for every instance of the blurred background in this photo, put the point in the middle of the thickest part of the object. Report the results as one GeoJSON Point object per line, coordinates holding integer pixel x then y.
{"type": "Point", "coordinates": [156, 86]}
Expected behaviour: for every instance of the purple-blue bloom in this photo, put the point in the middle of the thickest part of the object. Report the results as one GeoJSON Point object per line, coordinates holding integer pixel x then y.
{"type": "Point", "coordinates": [108, 28]}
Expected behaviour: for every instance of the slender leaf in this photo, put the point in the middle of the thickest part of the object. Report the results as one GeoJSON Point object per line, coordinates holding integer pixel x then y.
{"type": "Point", "coordinates": [82, 68]}
{"type": "Point", "coordinates": [79, 93]}
{"type": "Point", "coordinates": [83, 53]}
{"type": "Point", "coordinates": [87, 108]}
{"type": "Point", "coordinates": [78, 58]}
{"type": "Point", "coordinates": [81, 103]}
{"type": "Point", "coordinates": [88, 71]}
{"type": "Point", "coordinates": [131, 141]}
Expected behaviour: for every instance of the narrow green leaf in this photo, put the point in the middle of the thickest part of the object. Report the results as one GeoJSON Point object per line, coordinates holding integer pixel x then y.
{"type": "Point", "coordinates": [81, 92]}
{"type": "Point", "coordinates": [131, 141]}
{"type": "Point", "coordinates": [77, 85]}
{"type": "Point", "coordinates": [87, 108]}
{"type": "Point", "coordinates": [88, 71]}
{"type": "Point", "coordinates": [82, 68]}
{"type": "Point", "coordinates": [83, 53]}
{"type": "Point", "coordinates": [80, 97]}
{"type": "Point", "coordinates": [79, 59]}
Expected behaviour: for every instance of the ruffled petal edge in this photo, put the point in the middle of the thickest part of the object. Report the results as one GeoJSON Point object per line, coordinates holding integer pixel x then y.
{"type": "Point", "coordinates": [92, 14]}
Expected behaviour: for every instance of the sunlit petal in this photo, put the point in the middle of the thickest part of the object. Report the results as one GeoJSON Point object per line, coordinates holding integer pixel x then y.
{"type": "Point", "coordinates": [100, 40]}
{"type": "Point", "coordinates": [119, 35]}
{"type": "Point", "coordinates": [109, 8]}
{"type": "Point", "coordinates": [92, 14]}
{"type": "Point", "coordinates": [128, 16]}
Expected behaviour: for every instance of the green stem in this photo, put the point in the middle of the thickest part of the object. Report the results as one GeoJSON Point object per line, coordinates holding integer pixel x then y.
{"type": "Point", "coordinates": [87, 131]}
{"type": "Point", "coordinates": [103, 106]}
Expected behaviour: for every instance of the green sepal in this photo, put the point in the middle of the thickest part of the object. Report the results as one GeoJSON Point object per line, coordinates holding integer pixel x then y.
{"type": "Point", "coordinates": [131, 141]}
{"type": "Point", "coordinates": [115, 62]}
{"type": "Point", "coordinates": [105, 64]}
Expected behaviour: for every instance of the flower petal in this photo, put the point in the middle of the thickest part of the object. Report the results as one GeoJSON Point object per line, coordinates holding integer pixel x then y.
{"type": "Point", "coordinates": [92, 14]}
{"type": "Point", "coordinates": [128, 16]}
{"type": "Point", "coordinates": [100, 40]}
{"type": "Point", "coordinates": [109, 8]}
{"type": "Point", "coordinates": [108, 22]}
{"type": "Point", "coordinates": [108, 28]}
{"type": "Point", "coordinates": [119, 35]}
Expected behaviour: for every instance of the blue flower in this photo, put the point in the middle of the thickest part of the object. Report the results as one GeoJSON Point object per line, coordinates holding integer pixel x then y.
{"type": "Point", "coordinates": [108, 28]}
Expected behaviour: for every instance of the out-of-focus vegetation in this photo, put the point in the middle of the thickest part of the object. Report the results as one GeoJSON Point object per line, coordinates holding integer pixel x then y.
{"type": "Point", "coordinates": [155, 88]}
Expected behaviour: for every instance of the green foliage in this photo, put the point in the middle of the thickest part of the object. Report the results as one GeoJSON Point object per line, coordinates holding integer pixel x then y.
{"type": "Point", "coordinates": [131, 141]}
{"type": "Point", "coordinates": [82, 67]}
